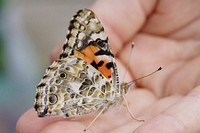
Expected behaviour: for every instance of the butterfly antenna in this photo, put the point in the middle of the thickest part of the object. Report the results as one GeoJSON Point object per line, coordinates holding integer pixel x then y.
{"type": "Point", "coordinates": [128, 62]}
{"type": "Point", "coordinates": [160, 68]}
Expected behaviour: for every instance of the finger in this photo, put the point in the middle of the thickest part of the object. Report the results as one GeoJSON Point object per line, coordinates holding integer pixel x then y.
{"type": "Point", "coordinates": [182, 117]}
{"type": "Point", "coordinates": [146, 59]}
{"type": "Point", "coordinates": [56, 53]}
{"type": "Point", "coordinates": [31, 123]}
{"type": "Point", "coordinates": [128, 127]}
{"type": "Point", "coordinates": [154, 109]}
{"type": "Point", "coordinates": [180, 61]}
{"type": "Point", "coordinates": [168, 19]}
{"type": "Point", "coordinates": [64, 127]}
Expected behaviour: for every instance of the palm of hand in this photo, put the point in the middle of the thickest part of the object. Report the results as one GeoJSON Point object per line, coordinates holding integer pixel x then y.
{"type": "Point", "coordinates": [166, 100]}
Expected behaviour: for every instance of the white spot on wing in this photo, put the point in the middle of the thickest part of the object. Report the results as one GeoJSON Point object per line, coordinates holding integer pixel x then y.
{"type": "Point", "coordinates": [100, 35]}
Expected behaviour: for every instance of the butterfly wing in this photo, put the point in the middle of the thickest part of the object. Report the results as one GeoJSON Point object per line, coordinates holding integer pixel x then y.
{"type": "Point", "coordinates": [84, 79]}
{"type": "Point", "coordinates": [87, 40]}
{"type": "Point", "coordinates": [72, 87]}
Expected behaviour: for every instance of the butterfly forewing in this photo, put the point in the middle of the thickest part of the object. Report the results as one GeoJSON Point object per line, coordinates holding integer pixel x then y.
{"type": "Point", "coordinates": [87, 39]}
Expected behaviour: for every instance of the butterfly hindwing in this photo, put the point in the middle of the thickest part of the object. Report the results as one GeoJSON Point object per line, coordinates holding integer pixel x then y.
{"type": "Point", "coordinates": [70, 88]}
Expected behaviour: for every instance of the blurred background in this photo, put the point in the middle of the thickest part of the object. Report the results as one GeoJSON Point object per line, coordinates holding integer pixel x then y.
{"type": "Point", "coordinates": [29, 31]}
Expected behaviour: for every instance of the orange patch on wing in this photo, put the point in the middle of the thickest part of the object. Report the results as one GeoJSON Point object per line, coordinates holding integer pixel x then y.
{"type": "Point", "coordinates": [105, 71]}
{"type": "Point", "coordinates": [88, 54]}
{"type": "Point", "coordinates": [90, 51]}
{"type": "Point", "coordinates": [79, 54]}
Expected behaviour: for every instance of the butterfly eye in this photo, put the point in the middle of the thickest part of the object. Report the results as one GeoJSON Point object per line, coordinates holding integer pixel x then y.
{"type": "Point", "coordinates": [53, 99]}
{"type": "Point", "coordinates": [63, 75]}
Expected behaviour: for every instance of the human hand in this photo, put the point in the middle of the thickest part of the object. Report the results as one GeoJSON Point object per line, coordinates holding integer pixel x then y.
{"type": "Point", "coordinates": [166, 34]}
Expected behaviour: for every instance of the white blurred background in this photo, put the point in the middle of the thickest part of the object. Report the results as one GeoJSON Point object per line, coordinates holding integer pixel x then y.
{"type": "Point", "coordinates": [29, 31]}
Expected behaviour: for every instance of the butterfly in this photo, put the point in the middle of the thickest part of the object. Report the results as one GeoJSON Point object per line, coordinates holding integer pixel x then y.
{"type": "Point", "coordinates": [84, 79]}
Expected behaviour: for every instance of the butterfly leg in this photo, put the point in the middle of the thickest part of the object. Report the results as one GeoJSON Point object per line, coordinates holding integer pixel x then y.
{"type": "Point", "coordinates": [95, 119]}
{"type": "Point", "coordinates": [129, 111]}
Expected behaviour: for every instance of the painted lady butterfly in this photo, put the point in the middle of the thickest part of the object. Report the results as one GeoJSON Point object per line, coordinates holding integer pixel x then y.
{"type": "Point", "coordinates": [85, 78]}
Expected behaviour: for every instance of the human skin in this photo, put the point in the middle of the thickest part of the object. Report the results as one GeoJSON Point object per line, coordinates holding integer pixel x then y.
{"type": "Point", "coordinates": [166, 33]}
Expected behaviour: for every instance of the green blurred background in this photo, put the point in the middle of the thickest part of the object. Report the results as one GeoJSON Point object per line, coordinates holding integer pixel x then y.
{"type": "Point", "coordinates": [29, 31]}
